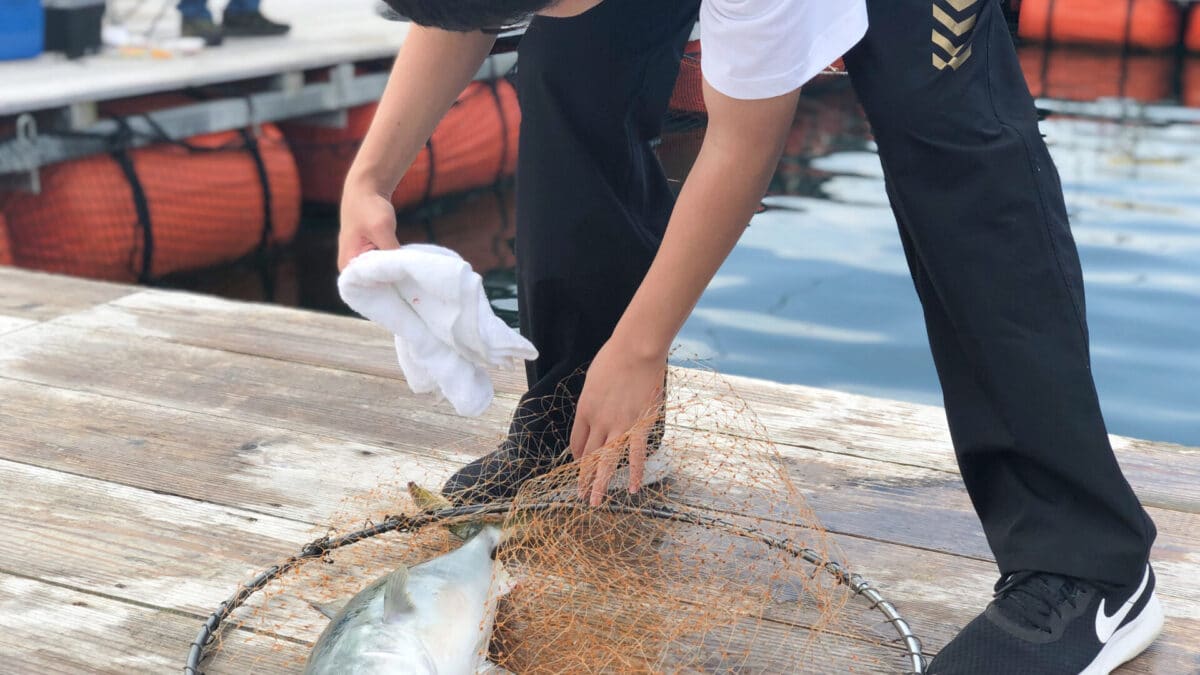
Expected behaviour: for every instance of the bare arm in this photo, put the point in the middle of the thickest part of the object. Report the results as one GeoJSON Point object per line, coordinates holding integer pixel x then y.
{"type": "Point", "coordinates": [431, 70]}
{"type": "Point", "coordinates": [740, 152]}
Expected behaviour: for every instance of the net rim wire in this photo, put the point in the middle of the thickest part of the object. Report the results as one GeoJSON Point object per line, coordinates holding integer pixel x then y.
{"type": "Point", "coordinates": [319, 548]}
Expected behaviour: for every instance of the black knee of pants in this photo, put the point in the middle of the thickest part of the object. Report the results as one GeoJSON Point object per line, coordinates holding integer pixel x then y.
{"type": "Point", "coordinates": [592, 199]}
{"type": "Point", "coordinates": [981, 213]}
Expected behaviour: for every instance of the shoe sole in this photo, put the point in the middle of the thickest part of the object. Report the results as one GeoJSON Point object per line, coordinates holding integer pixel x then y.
{"type": "Point", "coordinates": [1132, 639]}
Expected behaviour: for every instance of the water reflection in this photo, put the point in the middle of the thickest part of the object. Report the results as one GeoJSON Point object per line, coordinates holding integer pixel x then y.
{"type": "Point", "coordinates": [817, 291]}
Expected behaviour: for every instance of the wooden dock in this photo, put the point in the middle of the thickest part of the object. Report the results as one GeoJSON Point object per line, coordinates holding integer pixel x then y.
{"type": "Point", "coordinates": [157, 449]}
{"type": "Point", "coordinates": [323, 34]}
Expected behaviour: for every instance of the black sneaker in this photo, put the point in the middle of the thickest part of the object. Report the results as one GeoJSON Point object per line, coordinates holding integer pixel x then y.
{"type": "Point", "coordinates": [1045, 624]}
{"type": "Point", "coordinates": [498, 476]}
{"type": "Point", "coordinates": [252, 24]}
{"type": "Point", "coordinates": [202, 27]}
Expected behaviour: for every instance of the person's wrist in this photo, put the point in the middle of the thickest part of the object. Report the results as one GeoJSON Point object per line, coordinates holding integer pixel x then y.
{"type": "Point", "coordinates": [640, 343]}
{"type": "Point", "coordinates": [361, 183]}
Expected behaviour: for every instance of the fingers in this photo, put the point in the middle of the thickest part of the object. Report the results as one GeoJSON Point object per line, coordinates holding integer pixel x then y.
{"type": "Point", "coordinates": [606, 466]}
{"type": "Point", "coordinates": [579, 436]}
{"type": "Point", "coordinates": [368, 223]}
{"type": "Point", "coordinates": [637, 457]}
{"type": "Point", "coordinates": [589, 464]}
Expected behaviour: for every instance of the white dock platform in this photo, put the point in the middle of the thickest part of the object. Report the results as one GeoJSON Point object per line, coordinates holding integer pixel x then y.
{"type": "Point", "coordinates": [323, 34]}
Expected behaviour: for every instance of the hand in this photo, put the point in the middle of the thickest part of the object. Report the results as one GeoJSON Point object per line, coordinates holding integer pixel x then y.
{"type": "Point", "coordinates": [368, 223]}
{"type": "Point", "coordinates": [618, 409]}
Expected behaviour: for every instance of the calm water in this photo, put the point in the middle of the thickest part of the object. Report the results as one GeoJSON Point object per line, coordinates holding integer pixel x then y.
{"type": "Point", "coordinates": [817, 291]}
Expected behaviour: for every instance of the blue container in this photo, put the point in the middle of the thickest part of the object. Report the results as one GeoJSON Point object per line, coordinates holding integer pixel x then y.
{"type": "Point", "coordinates": [22, 29]}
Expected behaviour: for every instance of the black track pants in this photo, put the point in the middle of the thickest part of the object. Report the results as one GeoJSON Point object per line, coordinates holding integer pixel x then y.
{"type": "Point", "coordinates": [982, 220]}
{"type": "Point", "coordinates": [592, 199]}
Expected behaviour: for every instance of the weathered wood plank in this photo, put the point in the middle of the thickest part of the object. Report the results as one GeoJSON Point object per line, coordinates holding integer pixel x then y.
{"type": "Point", "coordinates": [333, 403]}
{"type": "Point", "coordinates": [343, 343]}
{"type": "Point", "coordinates": [9, 324]}
{"type": "Point", "coordinates": [40, 297]}
{"type": "Point", "coordinates": [187, 555]}
{"type": "Point", "coordinates": [219, 424]}
{"type": "Point", "coordinates": [238, 460]}
{"type": "Point", "coordinates": [836, 422]}
{"type": "Point", "coordinates": [52, 629]}
{"type": "Point", "coordinates": [907, 505]}
{"type": "Point", "coordinates": [1163, 474]}
{"type": "Point", "coordinates": [133, 544]}
{"type": "Point", "coordinates": [266, 469]}
{"type": "Point", "coordinates": [166, 552]}
{"type": "Point", "coordinates": [941, 593]}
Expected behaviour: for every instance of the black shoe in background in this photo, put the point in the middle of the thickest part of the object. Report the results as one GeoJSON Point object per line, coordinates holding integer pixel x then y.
{"type": "Point", "coordinates": [252, 24]}
{"type": "Point", "coordinates": [202, 27]}
{"type": "Point", "coordinates": [1045, 624]}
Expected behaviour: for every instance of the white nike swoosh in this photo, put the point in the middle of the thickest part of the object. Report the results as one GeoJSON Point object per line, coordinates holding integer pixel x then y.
{"type": "Point", "coordinates": [1107, 625]}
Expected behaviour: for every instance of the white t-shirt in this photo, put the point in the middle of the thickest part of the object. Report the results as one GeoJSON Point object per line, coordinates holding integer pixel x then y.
{"type": "Point", "coordinates": [762, 48]}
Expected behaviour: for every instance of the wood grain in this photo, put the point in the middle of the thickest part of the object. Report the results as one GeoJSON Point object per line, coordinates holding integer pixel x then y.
{"type": "Point", "coordinates": [159, 448]}
{"type": "Point", "coordinates": [40, 297]}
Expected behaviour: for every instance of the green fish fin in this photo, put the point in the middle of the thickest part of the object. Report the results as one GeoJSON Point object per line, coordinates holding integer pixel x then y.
{"type": "Point", "coordinates": [395, 594]}
{"type": "Point", "coordinates": [428, 500]}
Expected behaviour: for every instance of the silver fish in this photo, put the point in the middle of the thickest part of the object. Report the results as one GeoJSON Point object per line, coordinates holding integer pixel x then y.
{"type": "Point", "coordinates": [433, 619]}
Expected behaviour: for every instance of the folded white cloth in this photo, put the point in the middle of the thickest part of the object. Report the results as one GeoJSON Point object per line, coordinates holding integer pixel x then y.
{"type": "Point", "coordinates": [446, 333]}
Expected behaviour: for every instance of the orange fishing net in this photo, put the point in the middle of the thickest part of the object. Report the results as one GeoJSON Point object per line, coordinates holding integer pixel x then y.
{"type": "Point", "coordinates": [719, 567]}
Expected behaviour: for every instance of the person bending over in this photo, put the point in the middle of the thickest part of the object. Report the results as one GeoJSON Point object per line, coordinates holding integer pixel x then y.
{"type": "Point", "coordinates": [610, 264]}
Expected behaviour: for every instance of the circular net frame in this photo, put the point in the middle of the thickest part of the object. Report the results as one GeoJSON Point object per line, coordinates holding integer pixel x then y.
{"type": "Point", "coordinates": [721, 567]}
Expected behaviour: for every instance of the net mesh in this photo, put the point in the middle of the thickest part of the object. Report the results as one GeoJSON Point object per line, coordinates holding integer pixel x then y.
{"type": "Point", "coordinates": [612, 589]}
{"type": "Point", "coordinates": [139, 214]}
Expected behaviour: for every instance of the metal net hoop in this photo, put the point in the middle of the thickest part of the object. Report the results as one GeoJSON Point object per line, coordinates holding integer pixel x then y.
{"type": "Point", "coordinates": [320, 548]}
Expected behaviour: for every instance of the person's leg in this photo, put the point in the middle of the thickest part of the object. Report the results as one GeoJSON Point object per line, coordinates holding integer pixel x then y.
{"type": "Point", "coordinates": [242, 7]}
{"type": "Point", "coordinates": [194, 9]}
{"type": "Point", "coordinates": [242, 18]}
{"type": "Point", "coordinates": [197, 21]}
{"type": "Point", "coordinates": [592, 203]}
{"type": "Point", "coordinates": [981, 212]}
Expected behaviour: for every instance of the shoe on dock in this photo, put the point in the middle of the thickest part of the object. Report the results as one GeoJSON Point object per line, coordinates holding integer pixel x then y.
{"type": "Point", "coordinates": [252, 24]}
{"type": "Point", "coordinates": [203, 27]}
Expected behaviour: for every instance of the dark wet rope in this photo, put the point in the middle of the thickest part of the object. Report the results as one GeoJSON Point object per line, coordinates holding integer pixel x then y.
{"type": "Point", "coordinates": [1126, 49]}
{"type": "Point", "coordinates": [321, 547]}
{"type": "Point", "coordinates": [268, 225]}
{"type": "Point", "coordinates": [1049, 39]}
{"type": "Point", "coordinates": [120, 153]}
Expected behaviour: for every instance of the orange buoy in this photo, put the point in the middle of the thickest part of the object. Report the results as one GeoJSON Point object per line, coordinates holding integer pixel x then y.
{"type": "Point", "coordinates": [1143, 24]}
{"type": "Point", "coordinates": [5, 248]}
{"type": "Point", "coordinates": [1191, 84]}
{"type": "Point", "coordinates": [1192, 38]}
{"type": "Point", "coordinates": [1086, 75]}
{"type": "Point", "coordinates": [152, 211]}
{"type": "Point", "coordinates": [474, 145]}
{"type": "Point", "coordinates": [688, 95]}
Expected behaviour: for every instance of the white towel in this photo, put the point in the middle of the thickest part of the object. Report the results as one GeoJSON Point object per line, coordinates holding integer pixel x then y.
{"type": "Point", "coordinates": [446, 333]}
